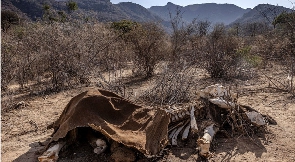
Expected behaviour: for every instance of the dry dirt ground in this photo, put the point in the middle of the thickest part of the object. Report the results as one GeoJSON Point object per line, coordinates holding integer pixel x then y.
{"type": "Point", "coordinates": [24, 127]}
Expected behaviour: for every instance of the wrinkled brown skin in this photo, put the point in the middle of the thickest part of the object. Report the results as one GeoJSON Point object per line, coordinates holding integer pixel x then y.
{"type": "Point", "coordinates": [116, 118]}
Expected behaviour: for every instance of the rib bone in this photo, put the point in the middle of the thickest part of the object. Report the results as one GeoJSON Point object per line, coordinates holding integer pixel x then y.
{"type": "Point", "coordinates": [174, 138]}
{"type": "Point", "coordinates": [172, 133]}
{"type": "Point", "coordinates": [194, 126]}
{"type": "Point", "coordinates": [185, 132]}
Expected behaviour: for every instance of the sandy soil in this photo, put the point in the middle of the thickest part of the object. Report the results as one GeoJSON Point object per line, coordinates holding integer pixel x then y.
{"type": "Point", "coordinates": [24, 127]}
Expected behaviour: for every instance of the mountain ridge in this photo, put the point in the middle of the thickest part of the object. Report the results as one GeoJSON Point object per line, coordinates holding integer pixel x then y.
{"type": "Point", "coordinates": [105, 11]}
{"type": "Point", "coordinates": [215, 13]}
{"type": "Point", "coordinates": [264, 13]}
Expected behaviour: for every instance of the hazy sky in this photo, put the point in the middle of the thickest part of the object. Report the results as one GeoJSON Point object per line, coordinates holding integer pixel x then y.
{"type": "Point", "coordinates": [240, 3]}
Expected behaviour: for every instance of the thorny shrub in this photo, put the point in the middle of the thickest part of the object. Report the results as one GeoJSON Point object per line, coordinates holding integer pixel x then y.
{"type": "Point", "coordinates": [148, 42]}
{"type": "Point", "coordinates": [60, 55]}
{"type": "Point", "coordinates": [63, 53]}
{"type": "Point", "coordinates": [220, 55]}
{"type": "Point", "coordinates": [172, 87]}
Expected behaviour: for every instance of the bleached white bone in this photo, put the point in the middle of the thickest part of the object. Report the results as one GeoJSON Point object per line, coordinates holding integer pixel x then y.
{"type": "Point", "coordinates": [175, 126]}
{"type": "Point", "coordinates": [256, 118]}
{"type": "Point", "coordinates": [100, 146]}
{"type": "Point", "coordinates": [205, 141]}
{"type": "Point", "coordinates": [172, 133]}
{"type": "Point", "coordinates": [175, 135]}
{"type": "Point", "coordinates": [222, 103]}
{"type": "Point", "coordinates": [194, 126]}
{"type": "Point", "coordinates": [214, 91]}
{"type": "Point", "coordinates": [186, 132]}
{"type": "Point", "coordinates": [51, 155]}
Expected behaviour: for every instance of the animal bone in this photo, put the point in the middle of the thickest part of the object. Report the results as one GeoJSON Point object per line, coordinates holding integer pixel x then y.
{"type": "Point", "coordinates": [222, 103]}
{"type": "Point", "coordinates": [205, 141]}
{"type": "Point", "coordinates": [194, 126]}
{"type": "Point", "coordinates": [175, 126]}
{"type": "Point", "coordinates": [51, 155]}
{"type": "Point", "coordinates": [153, 130]}
{"type": "Point", "coordinates": [101, 146]}
{"type": "Point", "coordinates": [172, 133]}
{"type": "Point", "coordinates": [185, 132]}
{"type": "Point", "coordinates": [213, 91]}
{"type": "Point", "coordinates": [177, 114]}
{"type": "Point", "coordinates": [256, 118]}
{"type": "Point", "coordinates": [180, 115]}
{"type": "Point", "coordinates": [175, 135]}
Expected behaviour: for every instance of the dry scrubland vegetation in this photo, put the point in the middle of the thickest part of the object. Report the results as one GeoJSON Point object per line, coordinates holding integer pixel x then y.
{"type": "Point", "coordinates": [51, 56]}
{"type": "Point", "coordinates": [58, 54]}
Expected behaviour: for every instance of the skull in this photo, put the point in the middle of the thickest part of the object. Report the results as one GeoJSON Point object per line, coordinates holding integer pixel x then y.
{"type": "Point", "coordinates": [101, 146]}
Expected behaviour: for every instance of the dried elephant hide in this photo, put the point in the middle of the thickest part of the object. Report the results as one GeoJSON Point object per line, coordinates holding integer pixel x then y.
{"type": "Point", "coordinates": [134, 126]}
{"type": "Point", "coordinates": [146, 129]}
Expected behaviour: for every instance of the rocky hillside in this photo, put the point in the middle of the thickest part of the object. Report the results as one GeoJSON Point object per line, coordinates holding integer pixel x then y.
{"type": "Point", "coordinates": [215, 13]}
{"type": "Point", "coordinates": [262, 13]}
{"type": "Point", "coordinates": [8, 5]}
{"type": "Point", "coordinates": [137, 12]}
{"type": "Point", "coordinates": [103, 10]}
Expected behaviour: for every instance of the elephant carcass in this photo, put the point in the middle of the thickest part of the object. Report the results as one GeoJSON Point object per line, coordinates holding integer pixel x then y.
{"type": "Point", "coordinates": [116, 118]}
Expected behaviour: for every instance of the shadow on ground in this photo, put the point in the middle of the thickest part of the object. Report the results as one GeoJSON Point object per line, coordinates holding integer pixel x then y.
{"type": "Point", "coordinates": [31, 155]}
{"type": "Point", "coordinates": [227, 148]}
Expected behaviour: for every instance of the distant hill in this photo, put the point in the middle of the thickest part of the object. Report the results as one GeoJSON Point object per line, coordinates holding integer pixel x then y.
{"type": "Point", "coordinates": [215, 13]}
{"type": "Point", "coordinates": [7, 5]}
{"type": "Point", "coordinates": [265, 13]}
{"type": "Point", "coordinates": [103, 10]}
{"type": "Point", "coordinates": [137, 12]}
